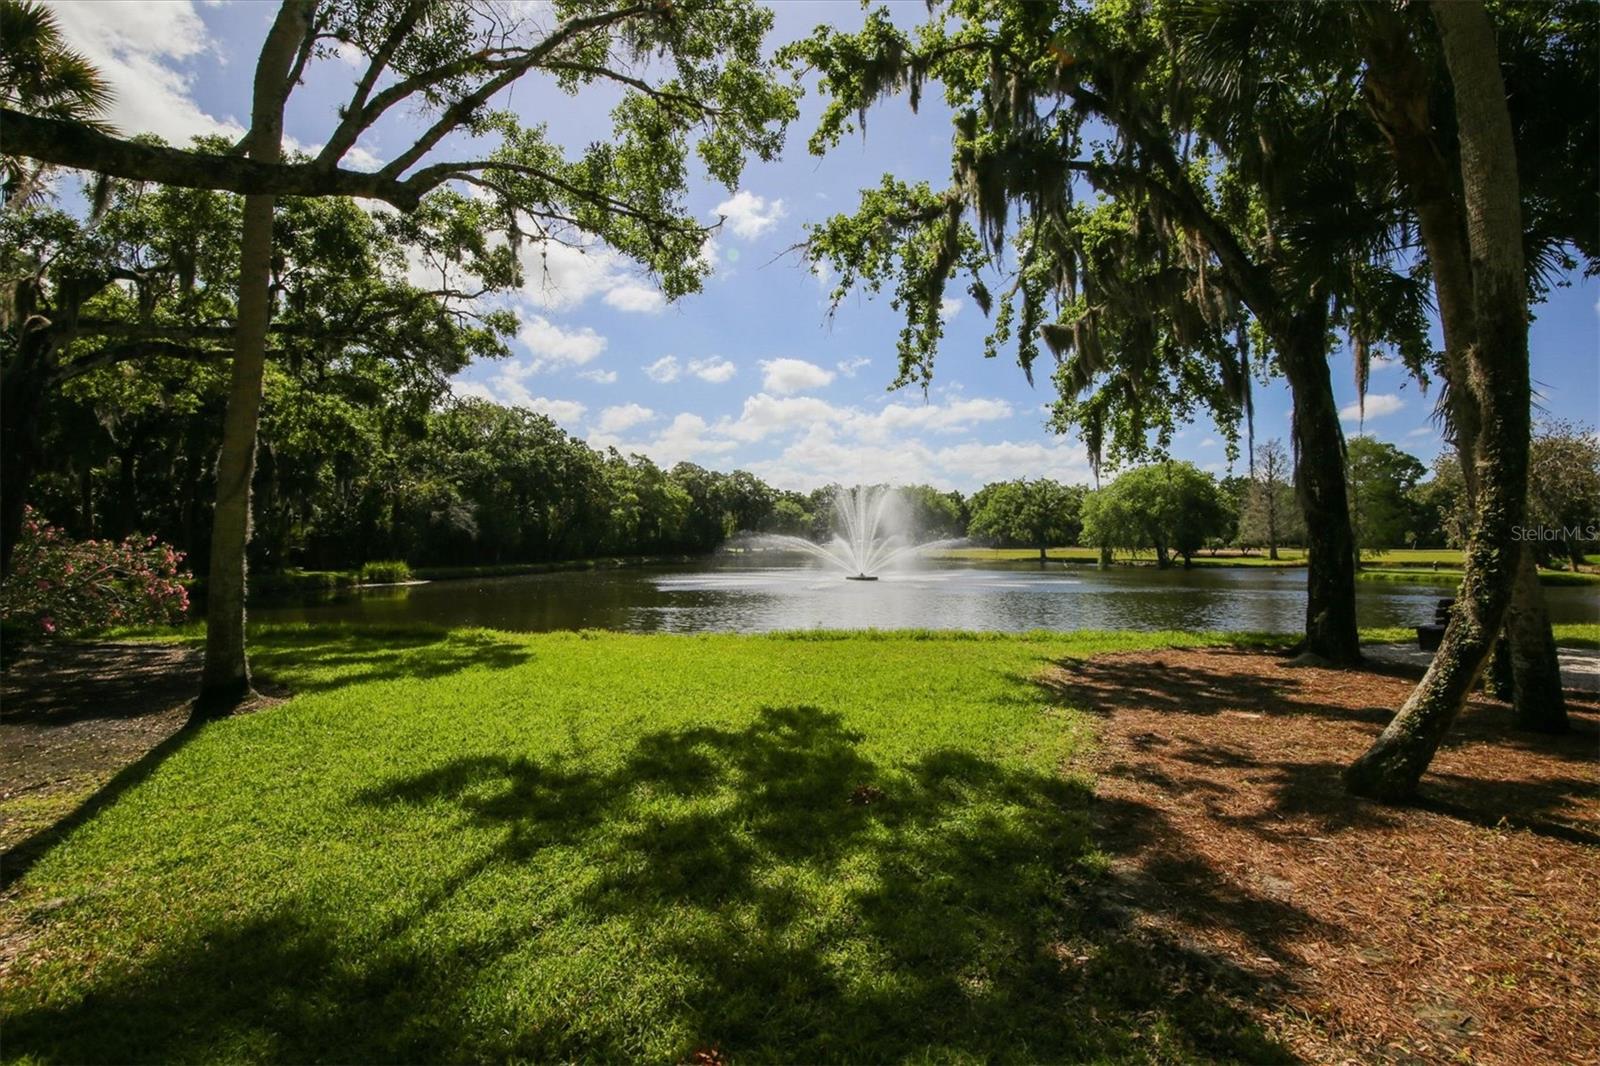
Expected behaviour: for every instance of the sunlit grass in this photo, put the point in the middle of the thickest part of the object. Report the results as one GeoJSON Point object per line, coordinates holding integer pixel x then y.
{"type": "Point", "coordinates": [454, 845]}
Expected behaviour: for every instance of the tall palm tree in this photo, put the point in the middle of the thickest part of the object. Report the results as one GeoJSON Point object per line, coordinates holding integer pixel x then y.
{"type": "Point", "coordinates": [40, 75]}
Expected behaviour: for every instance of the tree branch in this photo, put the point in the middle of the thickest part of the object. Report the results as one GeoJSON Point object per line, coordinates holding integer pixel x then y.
{"type": "Point", "coordinates": [71, 144]}
{"type": "Point", "coordinates": [350, 127]}
{"type": "Point", "coordinates": [511, 69]}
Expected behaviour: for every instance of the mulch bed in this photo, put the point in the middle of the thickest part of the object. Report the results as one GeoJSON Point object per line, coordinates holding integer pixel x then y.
{"type": "Point", "coordinates": [1465, 927]}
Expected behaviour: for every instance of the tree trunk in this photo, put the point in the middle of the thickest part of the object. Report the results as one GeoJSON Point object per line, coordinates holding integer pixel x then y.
{"type": "Point", "coordinates": [1331, 633]}
{"type": "Point", "coordinates": [1537, 701]}
{"type": "Point", "coordinates": [1398, 93]}
{"type": "Point", "coordinates": [127, 491]}
{"type": "Point", "coordinates": [226, 678]}
{"type": "Point", "coordinates": [1043, 558]}
{"type": "Point", "coordinates": [1497, 366]}
{"type": "Point", "coordinates": [21, 400]}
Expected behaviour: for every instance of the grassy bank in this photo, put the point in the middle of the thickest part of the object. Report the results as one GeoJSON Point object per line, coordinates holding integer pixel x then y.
{"type": "Point", "coordinates": [1419, 566]}
{"type": "Point", "coordinates": [474, 845]}
{"type": "Point", "coordinates": [292, 580]}
{"type": "Point", "coordinates": [1452, 578]}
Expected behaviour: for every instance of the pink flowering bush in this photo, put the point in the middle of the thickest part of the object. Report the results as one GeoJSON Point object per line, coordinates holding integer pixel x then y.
{"type": "Point", "coordinates": [60, 586]}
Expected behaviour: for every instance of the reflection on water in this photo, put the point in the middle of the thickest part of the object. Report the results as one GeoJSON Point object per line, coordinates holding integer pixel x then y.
{"type": "Point", "coordinates": [734, 596]}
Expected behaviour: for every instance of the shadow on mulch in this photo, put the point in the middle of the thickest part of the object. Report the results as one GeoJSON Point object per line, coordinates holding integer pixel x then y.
{"type": "Point", "coordinates": [58, 685]}
{"type": "Point", "coordinates": [1461, 925]}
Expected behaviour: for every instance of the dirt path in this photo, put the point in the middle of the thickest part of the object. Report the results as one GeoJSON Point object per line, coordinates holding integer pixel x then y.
{"type": "Point", "coordinates": [1461, 929]}
{"type": "Point", "coordinates": [73, 715]}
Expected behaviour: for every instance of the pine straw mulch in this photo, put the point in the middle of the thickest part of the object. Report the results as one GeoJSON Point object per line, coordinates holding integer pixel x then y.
{"type": "Point", "coordinates": [1464, 928]}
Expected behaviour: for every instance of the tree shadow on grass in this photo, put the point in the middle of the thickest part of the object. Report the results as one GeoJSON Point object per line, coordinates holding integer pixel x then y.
{"type": "Point", "coordinates": [20, 858]}
{"type": "Point", "coordinates": [779, 894]}
{"type": "Point", "coordinates": [321, 658]}
{"type": "Point", "coordinates": [90, 690]}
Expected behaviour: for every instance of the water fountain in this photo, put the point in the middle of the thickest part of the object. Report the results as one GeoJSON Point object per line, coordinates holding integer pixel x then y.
{"type": "Point", "coordinates": [863, 544]}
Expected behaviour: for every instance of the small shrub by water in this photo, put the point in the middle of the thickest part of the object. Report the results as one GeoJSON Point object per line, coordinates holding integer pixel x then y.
{"type": "Point", "coordinates": [385, 572]}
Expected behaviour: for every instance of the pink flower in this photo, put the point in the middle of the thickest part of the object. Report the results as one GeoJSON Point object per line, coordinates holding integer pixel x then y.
{"type": "Point", "coordinates": [48, 624]}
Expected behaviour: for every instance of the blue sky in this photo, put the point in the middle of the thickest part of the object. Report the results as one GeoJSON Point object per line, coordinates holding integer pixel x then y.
{"type": "Point", "coordinates": [753, 372]}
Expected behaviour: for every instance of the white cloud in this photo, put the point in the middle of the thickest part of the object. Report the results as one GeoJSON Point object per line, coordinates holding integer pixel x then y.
{"type": "Point", "coordinates": [898, 418]}
{"type": "Point", "coordinates": [664, 369]}
{"type": "Point", "coordinates": [764, 415]}
{"type": "Point", "coordinates": [636, 297]}
{"type": "Point", "coordinates": [976, 463]}
{"type": "Point", "coordinates": [1422, 431]}
{"type": "Point", "coordinates": [140, 49]}
{"type": "Point", "coordinates": [559, 277]}
{"type": "Point", "coordinates": [713, 369]}
{"type": "Point", "coordinates": [784, 376]}
{"type": "Point", "coordinates": [711, 253]}
{"type": "Point", "coordinates": [849, 367]}
{"type": "Point", "coordinates": [505, 388]}
{"type": "Point", "coordinates": [687, 437]}
{"type": "Point", "coordinates": [822, 455]}
{"type": "Point", "coordinates": [554, 345]}
{"type": "Point", "coordinates": [749, 215]}
{"type": "Point", "coordinates": [949, 307]}
{"type": "Point", "coordinates": [624, 416]}
{"type": "Point", "coordinates": [600, 377]}
{"type": "Point", "coordinates": [473, 390]}
{"type": "Point", "coordinates": [359, 158]}
{"type": "Point", "coordinates": [567, 411]}
{"type": "Point", "coordinates": [350, 55]}
{"type": "Point", "coordinates": [1378, 405]}
{"type": "Point", "coordinates": [818, 442]}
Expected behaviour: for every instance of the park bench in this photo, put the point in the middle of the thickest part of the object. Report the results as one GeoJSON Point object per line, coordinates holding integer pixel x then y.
{"type": "Point", "coordinates": [1429, 636]}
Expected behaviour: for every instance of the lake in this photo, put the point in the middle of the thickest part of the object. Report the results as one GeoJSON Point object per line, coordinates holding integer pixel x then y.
{"type": "Point", "coordinates": [733, 595]}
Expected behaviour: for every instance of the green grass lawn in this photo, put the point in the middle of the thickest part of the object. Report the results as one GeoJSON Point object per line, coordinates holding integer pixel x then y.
{"type": "Point", "coordinates": [473, 845]}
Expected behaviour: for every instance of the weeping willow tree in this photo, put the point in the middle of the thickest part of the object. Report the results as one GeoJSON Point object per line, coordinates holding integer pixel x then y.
{"type": "Point", "coordinates": [1165, 239]}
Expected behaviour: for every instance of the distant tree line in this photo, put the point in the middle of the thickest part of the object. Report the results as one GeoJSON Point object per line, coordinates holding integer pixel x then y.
{"type": "Point", "coordinates": [363, 460]}
{"type": "Point", "coordinates": [1173, 510]}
